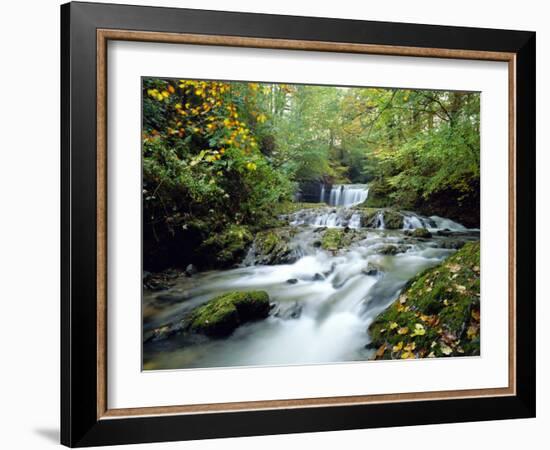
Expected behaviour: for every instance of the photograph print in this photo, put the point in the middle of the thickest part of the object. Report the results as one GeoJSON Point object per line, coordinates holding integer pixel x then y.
{"type": "Point", "coordinates": [289, 224]}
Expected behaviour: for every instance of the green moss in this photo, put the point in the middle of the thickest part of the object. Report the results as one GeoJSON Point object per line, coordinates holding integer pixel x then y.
{"type": "Point", "coordinates": [393, 220]}
{"type": "Point", "coordinates": [421, 233]}
{"type": "Point", "coordinates": [267, 241]}
{"type": "Point", "coordinates": [290, 207]}
{"type": "Point", "coordinates": [229, 246]}
{"type": "Point", "coordinates": [332, 239]}
{"type": "Point", "coordinates": [442, 303]}
{"type": "Point", "coordinates": [335, 239]}
{"type": "Point", "coordinates": [272, 246]}
{"type": "Point", "coordinates": [222, 315]}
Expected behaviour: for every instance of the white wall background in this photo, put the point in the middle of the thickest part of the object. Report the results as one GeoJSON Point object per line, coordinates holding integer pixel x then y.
{"type": "Point", "coordinates": [29, 234]}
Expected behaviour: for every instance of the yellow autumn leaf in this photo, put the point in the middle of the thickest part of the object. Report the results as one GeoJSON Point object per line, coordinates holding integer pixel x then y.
{"type": "Point", "coordinates": [403, 330]}
{"type": "Point", "coordinates": [393, 325]}
{"type": "Point", "coordinates": [410, 347]}
{"type": "Point", "coordinates": [419, 330]}
{"type": "Point", "coordinates": [407, 355]}
{"type": "Point", "coordinates": [471, 332]}
{"type": "Point", "coordinates": [398, 347]}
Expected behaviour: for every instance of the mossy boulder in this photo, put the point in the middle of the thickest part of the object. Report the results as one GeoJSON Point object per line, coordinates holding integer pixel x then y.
{"type": "Point", "coordinates": [393, 249]}
{"type": "Point", "coordinates": [393, 220]}
{"type": "Point", "coordinates": [421, 233]}
{"type": "Point", "coordinates": [273, 246]}
{"type": "Point", "coordinates": [437, 314]}
{"type": "Point", "coordinates": [227, 247]}
{"type": "Point", "coordinates": [335, 239]}
{"type": "Point", "coordinates": [222, 315]}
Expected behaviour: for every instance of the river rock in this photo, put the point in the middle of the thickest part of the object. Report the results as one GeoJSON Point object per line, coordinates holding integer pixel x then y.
{"type": "Point", "coordinates": [223, 314]}
{"type": "Point", "coordinates": [421, 233]}
{"type": "Point", "coordinates": [190, 270]}
{"type": "Point", "coordinates": [454, 244]}
{"type": "Point", "coordinates": [273, 247]}
{"type": "Point", "coordinates": [287, 311]}
{"type": "Point", "coordinates": [158, 281]}
{"type": "Point", "coordinates": [292, 281]}
{"type": "Point", "coordinates": [370, 269]}
{"type": "Point", "coordinates": [392, 249]}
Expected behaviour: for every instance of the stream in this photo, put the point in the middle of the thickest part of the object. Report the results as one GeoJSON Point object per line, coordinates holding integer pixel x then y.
{"type": "Point", "coordinates": [322, 304]}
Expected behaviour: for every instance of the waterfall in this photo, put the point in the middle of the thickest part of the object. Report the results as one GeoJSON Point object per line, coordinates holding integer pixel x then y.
{"type": "Point", "coordinates": [448, 224]}
{"type": "Point", "coordinates": [412, 221]}
{"type": "Point", "coordinates": [346, 194]}
{"type": "Point", "coordinates": [326, 217]}
{"type": "Point", "coordinates": [379, 220]}
{"type": "Point", "coordinates": [322, 198]}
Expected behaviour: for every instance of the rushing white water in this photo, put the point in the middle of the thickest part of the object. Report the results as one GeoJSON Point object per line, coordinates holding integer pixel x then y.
{"type": "Point", "coordinates": [340, 217]}
{"type": "Point", "coordinates": [346, 194]}
{"type": "Point", "coordinates": [323, 305]}
{"type": "Point", "coordinates": [327, 217]}
{"type": "Point", "coordinates": [448, 224]}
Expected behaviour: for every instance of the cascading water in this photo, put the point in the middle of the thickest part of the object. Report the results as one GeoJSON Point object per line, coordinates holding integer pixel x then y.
{"type": "Point", "coordinates": [322, 304]}
{"type": "Point", "coordinates": [346, 194]}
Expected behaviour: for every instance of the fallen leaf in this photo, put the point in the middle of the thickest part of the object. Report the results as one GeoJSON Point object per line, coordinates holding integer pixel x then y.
{"type": "Point", "coordinates": [380, 352]}
{"type": "Point", "coordinates": [419, 330]}
{"type": "Point", "coordinates": [407, 355]}
{"type": "Point", "coordinates": [475, 314]}
{"type": "Point", "coordinates": [398, 347]}
{"type": "Point", "coordinates": [410, 347]}
{"type": "Point", "coordinates": [460, 288]}
{"type": "Point", "coordinates": [454, 267]}
{"type": "Point", "coordinates": [446, 350]}
{"type": "Point", "coordinates": [471, 332]}
{"type": "Point", "coordinates": [393, 325]}
{"type": "Point", "coordinates": [403, 330]}
{"type": "Point", "coordinates": [448, 338]}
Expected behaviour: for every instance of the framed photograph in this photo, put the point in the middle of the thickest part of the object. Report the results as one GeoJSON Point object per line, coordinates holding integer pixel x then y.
{"type": "Point", "coordinates": [276, 224]}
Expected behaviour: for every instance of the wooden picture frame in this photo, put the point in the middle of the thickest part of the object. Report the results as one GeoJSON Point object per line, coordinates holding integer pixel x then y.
{"type": "Point", "coordinates": [86, 418]}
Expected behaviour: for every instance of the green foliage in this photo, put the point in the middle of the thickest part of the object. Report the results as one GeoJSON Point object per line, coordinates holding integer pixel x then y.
{"type": "Point", "coordinates": [218, 154]}
{"type": "Point", "coordinates": [228, 246]}
{"type": "Point", "coordinates": [203, 169]}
